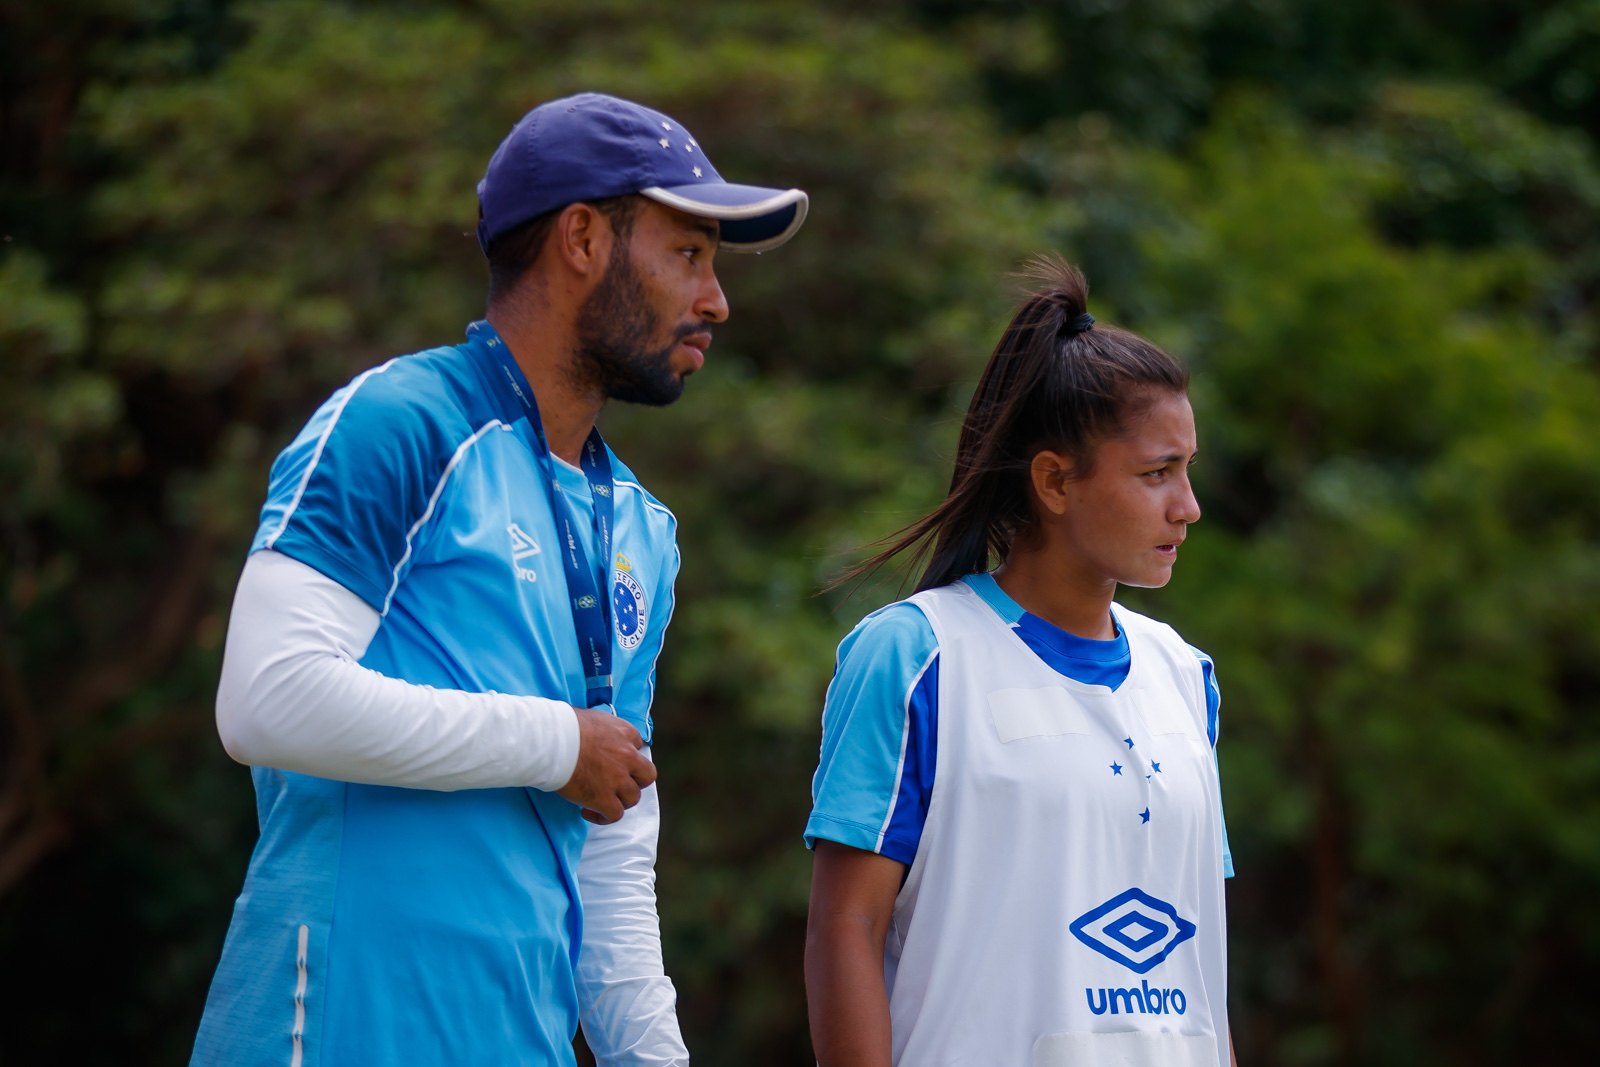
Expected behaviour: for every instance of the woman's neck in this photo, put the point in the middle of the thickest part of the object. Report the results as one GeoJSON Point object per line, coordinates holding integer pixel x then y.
{"type": "Point", "coordinates": [1036, 581]}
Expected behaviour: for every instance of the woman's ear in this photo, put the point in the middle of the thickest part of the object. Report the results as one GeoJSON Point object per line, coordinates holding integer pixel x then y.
{"type": "Point", "coordinates": [1049, 473]}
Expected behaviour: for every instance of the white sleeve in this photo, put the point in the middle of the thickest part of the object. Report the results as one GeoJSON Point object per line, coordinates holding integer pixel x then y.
{"type": "Point", "coordinates": [294, 696]}
{"type": "Point", "coordinates": [625, 1000]}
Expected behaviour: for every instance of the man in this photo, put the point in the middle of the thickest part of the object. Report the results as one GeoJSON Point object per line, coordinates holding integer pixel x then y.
{"type": "Point", "coordinates": [442, 650]}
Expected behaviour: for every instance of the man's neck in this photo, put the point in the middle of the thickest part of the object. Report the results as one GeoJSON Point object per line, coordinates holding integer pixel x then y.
{"type": "Point", "coordinates": [544, 356]}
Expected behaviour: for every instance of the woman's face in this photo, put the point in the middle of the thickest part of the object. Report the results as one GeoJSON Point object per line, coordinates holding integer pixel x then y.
{"type": "Point", "coordinates": [1124, 522]}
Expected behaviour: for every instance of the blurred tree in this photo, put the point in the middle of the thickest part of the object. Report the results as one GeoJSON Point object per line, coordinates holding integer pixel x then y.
{"type": "Point", "coordinates": [1369, 227]}
{"type": "Point", "coordinates": [1555, 66]}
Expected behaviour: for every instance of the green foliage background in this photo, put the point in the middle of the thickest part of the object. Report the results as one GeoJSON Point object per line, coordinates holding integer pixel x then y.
{"type": "Point", "coordinates": [1370, 228]}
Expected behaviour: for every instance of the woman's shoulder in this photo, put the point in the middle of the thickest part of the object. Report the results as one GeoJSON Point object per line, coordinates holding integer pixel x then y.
{"type": "Point", "coordinates": [898, 631]}
{"type": "Point", "coordinates": [1144, 625]}
{"type": "Point", "coordinates": [1150, 630]}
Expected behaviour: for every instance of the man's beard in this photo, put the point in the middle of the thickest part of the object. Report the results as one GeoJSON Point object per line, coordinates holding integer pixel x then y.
{"type": "Point", "coordinates": [614, 326]}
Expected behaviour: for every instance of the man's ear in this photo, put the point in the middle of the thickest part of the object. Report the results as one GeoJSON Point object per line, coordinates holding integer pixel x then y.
{"type": "Point", "coordinates": [1049, 472]}
{"type": "Point", "coordinates": [581, 240]}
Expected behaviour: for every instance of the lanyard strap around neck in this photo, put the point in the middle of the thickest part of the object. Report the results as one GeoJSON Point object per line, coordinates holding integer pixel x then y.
{"type": "Point", "coordinates": [591, 607]}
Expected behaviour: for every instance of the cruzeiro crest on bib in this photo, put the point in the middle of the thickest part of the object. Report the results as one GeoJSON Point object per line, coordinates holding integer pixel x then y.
{"type": "Point", "coordinates": [629, 606]}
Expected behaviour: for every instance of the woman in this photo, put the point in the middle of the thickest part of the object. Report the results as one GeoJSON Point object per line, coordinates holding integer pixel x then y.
{"type": "Point", "coordinates": [1017, 823]}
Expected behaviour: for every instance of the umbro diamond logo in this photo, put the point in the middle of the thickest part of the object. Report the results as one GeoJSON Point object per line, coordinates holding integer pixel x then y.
{"type": "Point", "coordinates": [522, 547]}
{"type": "Point", "coordinates": [1133, 928]}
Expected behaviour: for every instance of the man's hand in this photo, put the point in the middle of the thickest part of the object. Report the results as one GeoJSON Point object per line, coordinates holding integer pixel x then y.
{"type": "Point", "coordinates": [611, 770]}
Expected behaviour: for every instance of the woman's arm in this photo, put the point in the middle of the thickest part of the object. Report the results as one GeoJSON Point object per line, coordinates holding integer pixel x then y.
{"type": "Point", "coordinates": [852, 900]}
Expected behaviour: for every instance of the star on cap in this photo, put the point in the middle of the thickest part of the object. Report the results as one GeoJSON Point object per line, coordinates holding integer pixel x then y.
{"type": "Point", "coordinates": [698, 173]}
{"type": "Point", "coordinates": [664, 143]}
{"type": "Point", "coordinates": [666, 125]}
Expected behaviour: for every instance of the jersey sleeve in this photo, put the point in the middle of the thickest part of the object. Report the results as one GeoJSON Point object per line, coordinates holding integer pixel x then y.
{"type": "Point", "coordinates": [1208, 671]}
{"type": "Point", "coordinates": [879, 737]}
{"type": "Point", "coordinates": [349, 493]}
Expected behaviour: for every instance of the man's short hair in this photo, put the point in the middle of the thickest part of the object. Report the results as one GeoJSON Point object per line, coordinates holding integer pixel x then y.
{"type": "Point", "coordinates": [513, 253]}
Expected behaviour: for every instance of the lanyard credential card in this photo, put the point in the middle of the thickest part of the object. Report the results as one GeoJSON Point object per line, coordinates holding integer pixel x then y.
{"type": "Point", "coordinates": [591, 608]}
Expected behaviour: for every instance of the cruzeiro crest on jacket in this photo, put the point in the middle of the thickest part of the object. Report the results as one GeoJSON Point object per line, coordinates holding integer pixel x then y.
{"type": "Point", "coordinates": [629, 606]}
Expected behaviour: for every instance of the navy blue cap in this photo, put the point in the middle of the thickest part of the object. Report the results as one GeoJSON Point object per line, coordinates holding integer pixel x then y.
{"type": "Point", "coordinates": [592, 146]}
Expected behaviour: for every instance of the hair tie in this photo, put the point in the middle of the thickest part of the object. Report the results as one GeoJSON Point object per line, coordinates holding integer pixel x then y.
{"type": "Point", "coordinates": [1077, 325]}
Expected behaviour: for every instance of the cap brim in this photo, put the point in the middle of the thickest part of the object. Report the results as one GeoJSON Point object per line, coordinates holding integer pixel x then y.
{"type": "Point", "coordinates": [753, 219]}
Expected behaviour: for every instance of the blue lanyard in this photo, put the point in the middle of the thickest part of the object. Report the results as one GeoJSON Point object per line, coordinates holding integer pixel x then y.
{"type": "Point", "coordinates": [591, 609]}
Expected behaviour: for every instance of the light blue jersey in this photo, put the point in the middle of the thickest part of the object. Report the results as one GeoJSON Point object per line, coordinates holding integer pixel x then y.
{"type": "Point", "coordinates": [408, 926]}
{"type": "Point", "coordinates": [881, 717]}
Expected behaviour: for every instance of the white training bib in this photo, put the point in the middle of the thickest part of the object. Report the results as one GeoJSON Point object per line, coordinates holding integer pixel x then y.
{"type": "Point", "coordinates": [1066, 900]}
